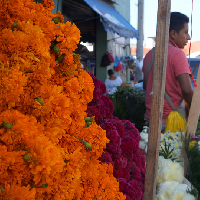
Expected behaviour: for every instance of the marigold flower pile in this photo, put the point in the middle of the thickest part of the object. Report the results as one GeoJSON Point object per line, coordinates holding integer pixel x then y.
{"type": "Point", "coordinates": [47, 150]}
{"type": "Point", "coordinates": [123, 149]}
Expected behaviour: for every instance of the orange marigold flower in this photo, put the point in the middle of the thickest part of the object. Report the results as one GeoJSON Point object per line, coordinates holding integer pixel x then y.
{"type": "Point", "coordinates": [49, 4]}
{"type": "Point", "coordinates": [23, 128]}
{"type": "Point", "coordinates": [14, 192]}
{"type": "Point", "coordinates": [12, 82]}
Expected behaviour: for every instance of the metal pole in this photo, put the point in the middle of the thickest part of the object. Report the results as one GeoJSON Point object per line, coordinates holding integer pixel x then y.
{"type": "Point", "coordinates": [140, 29]}
{"type": "Point", "coordinates": [139, 53]}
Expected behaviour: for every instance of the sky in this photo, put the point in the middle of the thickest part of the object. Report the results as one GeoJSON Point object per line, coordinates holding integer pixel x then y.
{"type": "Point", "coordinates": [150, 16]}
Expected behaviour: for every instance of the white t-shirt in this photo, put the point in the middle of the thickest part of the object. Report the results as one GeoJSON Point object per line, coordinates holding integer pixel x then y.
{"type": "Point", "coordinates": [111, 85]}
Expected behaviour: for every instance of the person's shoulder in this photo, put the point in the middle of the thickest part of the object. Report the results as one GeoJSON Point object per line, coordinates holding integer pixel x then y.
{"type": "Point", "coordinates": [176, 55]}
{"type": "Point", "coordinates": [148, 53]}
{"type": "Point", "coordinates": [176, 51]}
{"type": "Point", "coordinates": [119, 78]}
{"type": "Point", "coordinates": [146, 60]}
{"type": "Point", "coordinates": [106, 80]}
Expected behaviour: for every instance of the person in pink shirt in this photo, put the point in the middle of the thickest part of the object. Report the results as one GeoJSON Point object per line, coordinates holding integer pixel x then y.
{"type": "Point", "coordinates": [178, 82]}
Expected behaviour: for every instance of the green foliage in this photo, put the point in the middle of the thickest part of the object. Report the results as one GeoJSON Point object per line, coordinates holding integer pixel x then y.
{"type": "Point", "coordinates": [193, 171]}
{"type": "Point", "coordinates": [198, 127]}
{"type": "Point", "coordinates": [166, 152]}
{"type": "Point", "coordinates": [193, 191]}
{"type": "Point", "coordinates": [129, 104]}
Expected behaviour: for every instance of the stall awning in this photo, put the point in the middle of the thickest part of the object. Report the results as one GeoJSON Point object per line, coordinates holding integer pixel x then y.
{"type": "Point", "coordinates": [112, 20]}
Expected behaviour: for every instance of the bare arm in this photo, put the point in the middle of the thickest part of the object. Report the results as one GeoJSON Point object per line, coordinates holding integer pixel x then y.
{"type": "Point", "coordinates": [186, 87]}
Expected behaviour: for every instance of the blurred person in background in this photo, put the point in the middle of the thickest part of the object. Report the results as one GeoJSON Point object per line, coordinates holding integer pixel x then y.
{"type": "Point", "coordinates": [112, 82]}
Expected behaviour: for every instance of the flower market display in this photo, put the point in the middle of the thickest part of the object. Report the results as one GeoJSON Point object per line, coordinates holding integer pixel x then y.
{"type": "Point", "coordinates": [49, 148]}
{"type": "Point", "coordinates": [173, 141]}
{"type": "Point", "coordinates": [171, 183]}
{"type": "Point", "coordinates": [129, 104]}
{"type": "Point", "coordinates": [123, 150]}
{"type": "Point", "coordinates": [192, 147]}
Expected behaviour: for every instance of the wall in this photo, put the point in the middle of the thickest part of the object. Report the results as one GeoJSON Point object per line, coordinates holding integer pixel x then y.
{"type": "Point", "coordinates": [101, 48]}
{"type": "Point", "coordinates": [120, 45]}
{"type": "Point", "coordinates": [58, 6]}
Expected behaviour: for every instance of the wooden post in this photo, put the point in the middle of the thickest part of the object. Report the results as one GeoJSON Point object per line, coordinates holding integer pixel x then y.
{"type": "Point", "coordinates": [157, 102]}
{"type": "Point", "coordinates": [194, 110]}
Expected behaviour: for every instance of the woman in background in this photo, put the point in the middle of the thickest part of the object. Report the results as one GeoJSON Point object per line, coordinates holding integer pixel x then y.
{"type": "Point", "coordinates": [112, 82]}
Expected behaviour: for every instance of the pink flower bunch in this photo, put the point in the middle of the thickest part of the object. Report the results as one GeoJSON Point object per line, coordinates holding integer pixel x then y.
{"type": "Point", "coordinates": [123, 149]}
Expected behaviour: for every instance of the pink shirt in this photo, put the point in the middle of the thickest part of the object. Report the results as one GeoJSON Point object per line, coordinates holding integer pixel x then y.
{"type": "Point", "coordinates": [176, 64]}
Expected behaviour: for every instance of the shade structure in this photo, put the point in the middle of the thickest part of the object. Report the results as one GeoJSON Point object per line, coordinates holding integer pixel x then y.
{"type": "Point", "coordinates": [112, 20]}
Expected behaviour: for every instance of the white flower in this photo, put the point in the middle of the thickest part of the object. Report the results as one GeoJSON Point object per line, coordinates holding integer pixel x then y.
{"type": "Point", "coordinates": [166, 189]}
{"type": "Point", "coordinates": [179, 192]}
{"type": "Point", "coordinates": [162, 162]}
{"type": "Point", "coordinates": [142, 144]}
{"type": "Point", "coordinates": [156, 198]}
{"type": "Point", "coordinates": [144, 136]}
{"type": "Point", "coordinates": [167, 174]}
{"type": "Point", "coordinates": [188, 197]}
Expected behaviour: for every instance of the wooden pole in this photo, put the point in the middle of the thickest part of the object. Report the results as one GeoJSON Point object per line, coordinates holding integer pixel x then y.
{"type": "Point", "coordinates": [157, 102]}
{"type": "Point", "coordinates": [194, 110]}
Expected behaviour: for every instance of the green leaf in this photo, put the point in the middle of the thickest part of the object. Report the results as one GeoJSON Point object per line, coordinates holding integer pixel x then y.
{"type": "Point", "coordinates": [2, 189]}
{"type": "Point", "coordinates": [61, 58]}
{"type": "Point", "coordinates": [42, 186]}
{"type": "Point", "coordinates": [27, 157]}
{"type": "Point", "coordinates": [38, 99]}
{"type": "Point", "coordinates": [7, 125]}
{"type": "Point", "coordinates": [56, 20]}
{"type": "Point", "coordinates": [14, 26]}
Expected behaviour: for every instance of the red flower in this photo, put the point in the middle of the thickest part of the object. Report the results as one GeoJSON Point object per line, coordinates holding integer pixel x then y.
{"type": "Point", "coordinates": [93, 111]}
{"type": "Point", "coordinates": [111, 147]}
{"type": "Point", "coordinates": [120, 129]}
{"type": "Point", "coordinates": [120, 162]}
{"type": "Point", "coordinates": [100, 87]}
{"type": "Point", "coordinates": [130, 165]}
{"type": "Point", "coordinates": [111, 132]}
{"type": "Point", "coordinates": [128, 197]}
{"type": "Point", "coordinates": [141, 151]}
{"type": "Point", "coordinates": [128, 155]}
{"type": "Point", "coordinates": [142, 160]}
{"type": "Point", "coordinates": [117, 153]}
{"type": "Point", "coordinates": [122, 184]}
{"type": "Point", "coordinates": [121, 173]}
{"type": "Point", "coordinates": [133, 190]}
{"type": "Point", "coordinates": [106, 158]}
{"type": "Point", "coordinates": [105, 106]}
{"type": "Point", "coordinates": [130, 129]}
{"type": "Point", "coordinates": [136, 173]}
{"type": "Point", "coordinates": [129, 145]}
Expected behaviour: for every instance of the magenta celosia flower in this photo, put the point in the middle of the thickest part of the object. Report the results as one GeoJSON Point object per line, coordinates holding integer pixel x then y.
{"type": "Point", "coordinates": [128, 155]}
{"type": "Point", "coordinates": [118, 124]}
{"type": "Point", "coordinates": [106, 158]}
{"type": "Point", "coordinates": [122, 184]}
{"type": "Point", "coordinates": [93, 111]}
{"type": "Point", "coordinates": [131, 130]}
{"type": "Point", "coordinates": [128, 197]}
{"type": "Point", "coordinates": [105, 106]}
{"type": "Point", "coordinates": [136, 173]}
{"type": "Point", "coordinates": [100, 87]}
{"type": "Point", "coordinates": [141, 151]}
{"type": "Point", "coordinates": [141, 161]}
{"type": "Point", "coordinates": [128, 145]}
{"type": "Point", "coordinates": [120, 162]}
{"type": "Point", "coordinates": [134, 190]}
{"type": "Point", "coordinates": [130, 165]}
{"type": "Point", "coordinates": [111, 132]}
{"type": "Point", "coordinates": [121, 173]}
{"type": "Point", "coordinates": [123, 149]}
{"type": "Point", "coordinates": [111, 147]}
{"type": "Point", "coordinates": [117, 153]}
